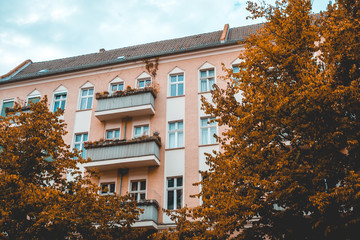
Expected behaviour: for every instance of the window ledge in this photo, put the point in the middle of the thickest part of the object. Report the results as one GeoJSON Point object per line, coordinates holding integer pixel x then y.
{"type": "Point", "coordinates": [170, 149]}
{"type": "Point", "coordinates": [176, 96]}
{"type": "Point", "coordinates": [107, 194]}
{"type": "Point", "coordinates": [83, 110]}
{"type": "Point", "coordinates": [204, 92]}
{"type": "Point", "coordinates": [206, 145]}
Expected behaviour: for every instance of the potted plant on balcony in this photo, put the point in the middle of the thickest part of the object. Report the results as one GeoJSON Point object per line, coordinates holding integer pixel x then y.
{"type": "Point", "coordinates": [100, 142]}
{"type": "Point", "coordinates": [112, 142]}
{"type": "Point", "coordinates": [118, 93]}
{"type": "Point", "coordinates": [88, 144]}
{"type": "Point", "coordinates": [105, 93]}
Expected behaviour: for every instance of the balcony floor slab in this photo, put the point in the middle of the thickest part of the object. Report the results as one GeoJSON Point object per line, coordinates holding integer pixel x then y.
{"type": "Point", "coordinates": [135, 111]}
{"type": "Point", "coordinates": [133, 162]}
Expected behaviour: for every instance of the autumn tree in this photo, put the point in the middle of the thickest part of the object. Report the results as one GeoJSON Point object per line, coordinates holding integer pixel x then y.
{"type": "Point", "coordinates": [36, 199]}
{"type": "Point", "coordinates": [289, 164]}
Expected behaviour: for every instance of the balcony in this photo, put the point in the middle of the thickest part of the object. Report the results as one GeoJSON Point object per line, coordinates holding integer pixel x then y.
{"type": "Point", "coordinates": [113, 154]}
{"type": "Point", "coordinates": [149, 218]}
{"type": "Point", "coordinates": [128, 103]}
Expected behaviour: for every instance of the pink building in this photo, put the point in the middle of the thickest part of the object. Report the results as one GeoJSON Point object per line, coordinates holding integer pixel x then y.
{"type": "Point", "coordinates": [121, 127]}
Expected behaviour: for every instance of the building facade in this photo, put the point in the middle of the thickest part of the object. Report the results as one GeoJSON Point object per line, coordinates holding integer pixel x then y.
{"type": "Point", "coordinates": [136, 112]}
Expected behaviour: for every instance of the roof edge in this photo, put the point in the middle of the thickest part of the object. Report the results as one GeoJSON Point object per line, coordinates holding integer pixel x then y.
{"type": "Point", "coordinates": [115, 62]}
{"type": "Point", "coordinates": [16, 70]}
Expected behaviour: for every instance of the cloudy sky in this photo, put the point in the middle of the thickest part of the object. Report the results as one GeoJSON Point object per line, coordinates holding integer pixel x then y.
{"type": "Point", "coordinates": [44, 29]}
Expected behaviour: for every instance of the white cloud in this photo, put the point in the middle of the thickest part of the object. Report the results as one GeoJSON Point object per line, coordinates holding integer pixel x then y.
{"type": "Point", "coordinates": [57, 37]}
{"type": "Point", "coordinates": [42, 53]}
{"type": "Point", "coordinates": [9, 60]}
{"type": "Point", "coordinates": [30, 18]}
{"type": "Point", "coordinates": [44, 30]}
{"type": "Point", "coordinates": [62, 13]}
{"type": "Point", "coordinates": [14, 40]}
{"type": "Point", "coordinates": [165, 6]}
{"type": "Point", "coordinates": [37, 11]}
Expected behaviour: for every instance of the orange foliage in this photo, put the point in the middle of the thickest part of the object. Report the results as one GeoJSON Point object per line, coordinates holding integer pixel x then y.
{"type": "Point", "coordinates": [36, 201]}
{"type": "Point", "coordinates": [289, 167]}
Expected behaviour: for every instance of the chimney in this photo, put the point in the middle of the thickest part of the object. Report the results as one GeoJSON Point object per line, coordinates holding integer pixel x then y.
{"type": "Point", "coordinates": [101, 50]}
{"type": "Point", "coordinates": [225, 34]}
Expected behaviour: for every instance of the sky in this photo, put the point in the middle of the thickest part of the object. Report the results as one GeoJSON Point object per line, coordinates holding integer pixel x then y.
{"type": "Point", "coordinates": [43, 30]}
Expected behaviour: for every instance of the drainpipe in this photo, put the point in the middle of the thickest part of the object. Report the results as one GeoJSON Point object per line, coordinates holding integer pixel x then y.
{"type": "Point", "coordinates": [122, 172]}
{"type": "Point", "coordinates": [125, 120]}
{"type": "Point", "coordinates": [125, 128]}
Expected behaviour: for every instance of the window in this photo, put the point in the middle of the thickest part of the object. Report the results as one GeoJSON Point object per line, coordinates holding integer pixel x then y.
{"type": "Point", "coordinates": [176, 134]}
{"type": "Point", "coordinates": [107, 188]}
{"type": "Point", "coordinates": [59, 101]}
{"type": "Point", "coordinates": [79, 143]}
{"type": "Point", "coordinates": [86, 98]}
{"type": "Point", "coordinates": [144, 83]}
{"type": "Point", "coordinates": [33, 97]}
{"type": "Point", "coordinates": [33, 100]}
{"type": "Point", "coordinates": [138, 190]}
{"type": "Point", "coordinates": [207, 79]}
{"type": "Point", "coordinates": [236, 69]}
{"type": "Point", "coordinates": [174, 193]}
{"type": "Point", "coordinates": [177, 85]}
{"type": "Point", "coordinates": [117, 87]}
{"type": "Point", "coordinates": [207, 131]}
{"type": "Point", "coordinates": [5, 105]}
{"type": "Point", "coordinates": [140, 131]}
{"type": "Point", "coordinates": [113, 134]}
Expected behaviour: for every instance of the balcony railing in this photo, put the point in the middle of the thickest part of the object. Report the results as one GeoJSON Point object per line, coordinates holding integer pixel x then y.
{"type": "Point", "coordinates": [128, 103]}
{"type": "Point", "coordinates": [112, 154]}
{"type": "Point", "coordinates": [149, 218]}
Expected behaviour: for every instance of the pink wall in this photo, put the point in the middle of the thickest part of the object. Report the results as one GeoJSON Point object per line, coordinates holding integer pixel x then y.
{"type": "Point", "coordinates": [100, 78]}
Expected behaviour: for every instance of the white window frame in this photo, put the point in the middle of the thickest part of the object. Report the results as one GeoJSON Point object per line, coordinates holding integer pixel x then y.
{"type": "Point", "coordinates": [236, 64]}
{"type": "Point", "coordinates": [208, 128]}
{"type": "Point", "coordinates": [138, 191]}
{"type": "Point", "coordinates": [108, 188]}
{"type": "Point", "coordinates": [81, 143]}
{"type": "Point", "coordinates": [6, 101]}
{"type": "Point", "coordinates": [143, 80]}
{"type": "Point", "coordinates": [176, 84]}
{"type": "Point", "coordinates": [116, 81]}
{"type": "Point", "coordinates": [200, 189]}
{"type": "Point", "coordinates": [175, 189]}
{"type": "Point", "coordinates": [233, 67]}
{"type": "Point", "coordinates": [59, 100]}
{"type": "Point", "coordinates": [86, 97]}
{"type": "Point", "coordinates": [142, 130]}
{"type": "Point", "coordinates": [37, 96]}
{"type": "Point", "coordinates": [34, 94]}
{"type": "Point", "coordinates": [207, 78]}
{"type": "Point", "coordinates": [117, 84]}
{"type": "Point", "coordinates": [113, 133]}
{"type": "Point", "coordinates": [176, 132]}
